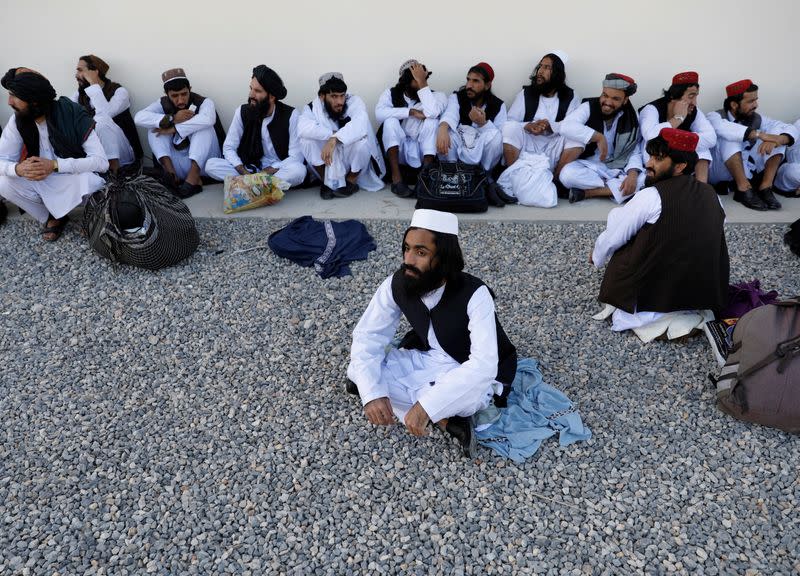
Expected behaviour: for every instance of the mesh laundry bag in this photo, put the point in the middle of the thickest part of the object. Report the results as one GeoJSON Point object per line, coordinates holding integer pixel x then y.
{"type": "Point", "coordinates": [137, 221]}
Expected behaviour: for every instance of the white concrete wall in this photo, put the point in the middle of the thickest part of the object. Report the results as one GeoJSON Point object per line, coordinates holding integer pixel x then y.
{"type": "Point", "coordinates": [218, 43]}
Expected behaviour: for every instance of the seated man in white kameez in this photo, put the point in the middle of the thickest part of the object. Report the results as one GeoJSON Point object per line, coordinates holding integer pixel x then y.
{"type": "Point", "coordinates": [455, 359]}
{"type": "Point", "coordinates": [750, 148]}
{"type": "Point", "coordinates": [665, 248]}
{"type": "Point", "coordinates": [606, 131]}
{"type": "Point", "coordinates": [184, 131]}
{"type": "Point", "coordinates": [787, 181]}
{"type": "Point", "coordinates": [470, 129]}
{"type": "Point", "coordinates": [110, 104]}
{"type": "Point", "coordinates": [338, 141]}
{"type": "Point", "coordinates": [408, 115]}
{"type": "Point", "coordinates": [62, 152]}
{"type": "Point", "coordinates": [535, 116]}
{"type": "Point", "coordinates": [677, 108]}
{"type": "Point", "coordinates": [263, 134]}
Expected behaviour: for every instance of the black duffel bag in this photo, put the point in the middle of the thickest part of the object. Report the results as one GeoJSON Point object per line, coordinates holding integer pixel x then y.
{"type": "Point", "coordinates": [452, 187]}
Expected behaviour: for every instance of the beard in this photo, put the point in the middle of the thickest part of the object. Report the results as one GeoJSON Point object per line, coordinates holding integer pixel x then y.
{"type": "Point", "coordinates": [262, 108]}
{"type": "Point", "coordinates": [745, 118]}
{"type": "Point", "coordinates": [332, 113]}
{"type": "Point", "coordinates": [475, 97]}
{"type": "Point", "coordinates": [544, 87]}
{"type": "Point", "coordinates": [422, 282]}
{"type": "Point", "coordinates": [651, 177]}
{"type": "Point", "coordinates": [82, 84]}
{"type": "Point", "coordinates": [412, 93]}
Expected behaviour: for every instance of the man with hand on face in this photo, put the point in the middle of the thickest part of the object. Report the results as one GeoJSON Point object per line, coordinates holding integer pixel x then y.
{"type": "Point", "coordinates": [605, 131]}
{"type": "Point", "coordinates": [338, 141]}
{"type": "Point", "coordinates": [184, 131]}
{"type": "Point", "coordinates": [62, 152]}
{"type": "Point", "coordinates": [535, 116]}
{"type": "Point", "coordinates": [677, 108]}
{"type": "Point", "coordinates": [750, 148]}
{"type": "Point", "coordinates": [455, 359]}
{"type": "Point", "coordinates": [263, 134]}
{"type": "Point", "coordinates": [110, 104]}
{"type": "Point", "coordinates": [408, 114]}
{"type": "Point", "coordinates": [666, 246]}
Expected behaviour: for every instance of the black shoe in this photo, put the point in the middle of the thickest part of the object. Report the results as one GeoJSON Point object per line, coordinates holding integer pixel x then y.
{"type": "Point", "coordinates": [347, 190]}
{"type": "Point", "coordinates": [723, 187]}
{"type": "Point", "coordinates": [492, 195]}
{"type": "Point", "coordinates": [768, 198]}
{"type": "Point", "coordinates": [186, 190]}
{"type": "Point", "coordinates": [786, 194]}
{"type": "Point", "coordinates": [576, 195]}
{"type": "Point", "coordinates": [561, 190]}
{"type": "Point", "coordinates": [351, 388]}
{"type": "Point", "coordinates": [3, 211]}
{"type": "Point", "coordinates": [462, 429]}
{"type": "Point", "coordinates": [401, 190]}
{"type": "Point", "coordinates": [749, 199]}
{"type": "Point", "coordinates": [325, 192]}
{"type": "Point", "coordinates": [503, 196]}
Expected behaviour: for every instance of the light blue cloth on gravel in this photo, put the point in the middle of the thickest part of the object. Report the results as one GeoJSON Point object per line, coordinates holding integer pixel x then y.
{"type": "Point", "coordinates": [535, 412]}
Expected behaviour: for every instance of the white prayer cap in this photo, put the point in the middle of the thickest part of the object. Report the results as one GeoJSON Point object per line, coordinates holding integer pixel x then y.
{"type": "Point", "coordinates": [562, 55]}
{"type": "Point", "coordinates": [436, 221]}
{"type": "Point", "coordinates": [406, 65]}
{"type": "Point", "coordinates": [330, 75]}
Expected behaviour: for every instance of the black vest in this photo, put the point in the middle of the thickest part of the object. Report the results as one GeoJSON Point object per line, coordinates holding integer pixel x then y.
{"type": "Point", "coordinates": [661, 106]}
{"type": "Point", "coordinates": [628, 123]}
{"type": "Point", "coordinates": [565, 96]}
{"type": "Point", "coordinates": [197, 100]}
{"type": "Point", "coordinates": [251, 147]}
{"type": "Point", "coordinates": [678, 263]}
{"type": "Point", "coordinates": [124, 119]}
{"type": "Point", "coordinates": [451, 325]}
{"type": "Point", "coordinates": [493, 104]}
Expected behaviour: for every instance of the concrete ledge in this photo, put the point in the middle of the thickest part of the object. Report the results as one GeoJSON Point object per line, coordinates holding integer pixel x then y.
{"type": "Point", "coordinates": [383, 205]}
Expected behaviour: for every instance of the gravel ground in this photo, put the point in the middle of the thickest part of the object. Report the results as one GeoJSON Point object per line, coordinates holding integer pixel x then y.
{"type": "Point", "coordinates": [194, 421]}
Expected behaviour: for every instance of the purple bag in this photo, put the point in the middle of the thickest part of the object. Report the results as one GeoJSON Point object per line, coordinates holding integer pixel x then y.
{"type": "Point", "coordinates": [745, 296]}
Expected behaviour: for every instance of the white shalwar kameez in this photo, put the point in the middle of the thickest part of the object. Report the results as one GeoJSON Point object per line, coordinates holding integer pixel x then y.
{"type": "Point", "coordinates": [651, 127]}
{"type": "Point", "coordinates": [203, 143]}
{"type": "Point", "coordinates": [61, 191]}
{"type": "Point", "coordinates": [624, 222]}
{"type": "Point", "coordinates": [414, 138]}
{"type": "Point", "coordinates": [473, 144]}
{"type": "Point", "coordinates": [291, 169]}
{"type": "Point", "coordinates": [550, 145]}
{"type": "Point", "coordinates": [356, 147]}
{"type": "Point", "coordinates": [113, 139]}
{"type": "Point", "coordinates": [589, 173]}
{"type": "Point", "coordinates": [730, 141]}
{"type": "Point", "coordinates": [441, 385]}
{"type": "Point", "coordinates": [788, 177]}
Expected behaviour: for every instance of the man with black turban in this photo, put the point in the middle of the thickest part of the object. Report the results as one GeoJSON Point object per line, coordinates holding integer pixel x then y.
{"type": "Point", "coordinates": [49, 151]}
{"type": "Point", "coordinates": [110, 104]}
{"type": "Point", "coordinates": [263, 134]}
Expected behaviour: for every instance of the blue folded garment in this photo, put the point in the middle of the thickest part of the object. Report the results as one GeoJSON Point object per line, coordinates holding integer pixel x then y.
{"type": "Point", "coordinates": [536, 411]}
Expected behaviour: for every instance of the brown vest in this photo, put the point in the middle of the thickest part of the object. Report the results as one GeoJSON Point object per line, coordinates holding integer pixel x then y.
{"type": "Point", "coordinates": [678, 263]}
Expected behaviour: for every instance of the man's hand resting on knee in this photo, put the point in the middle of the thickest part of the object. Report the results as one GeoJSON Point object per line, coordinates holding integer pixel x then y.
{"type": "Point", "coordinates": [379, 412]}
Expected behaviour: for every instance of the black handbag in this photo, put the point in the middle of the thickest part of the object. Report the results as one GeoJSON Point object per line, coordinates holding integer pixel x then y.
{"type": "Point", "coordinates": [452, 187]}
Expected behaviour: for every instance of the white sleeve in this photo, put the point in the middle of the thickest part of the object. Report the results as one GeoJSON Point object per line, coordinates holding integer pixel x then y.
{"type": "Point", "coordinates": [433, 103]}
{"type": "Point", "coordinates": [119, 102]}
{"type": "Point", "coordinates": [385, 109]}
{"type": "Point", "coordinates": [150, 116]}
{"type": "Point", "coordinates": [473, 377]}
{"type": "Point", "coordinates": [517, 110]}
{"type": "Point", "coordinates": [205, 117]}
{"type": "Point", "coordinates": [773, 126]}
{"type": "Point", "coordinates": [725, 129]}
{"type": "Point", "coordinates": [372, 334]}
{"type": "Point", "coordinates": [703, 128]}
{"type": "Point", "coordinates": [309, 128]}
{"type": "Point", "coordinates": [648, 121]}
{"type": "Point", "coordinates": [451, 114]}
{"type": "Point", "coordinates": [624, 222]}
{"type": "Point", "coordinates": [499, 120]}
{"type": "Point", "coordinates": [573, 105]}
{"type": "Point", "coordinates": [295, 150]}
{"type": "Point", "coordinates": [95, 161]}
{"type": "Point", "coordinates": [574, 127]}
{"type": "Point", "coordinates": [10, 148]}
{"type": "Point", "coordinates": [233, 139]}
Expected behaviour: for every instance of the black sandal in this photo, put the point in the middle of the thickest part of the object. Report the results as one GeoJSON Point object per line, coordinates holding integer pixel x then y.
{"type": "Point", "coordinates": [57, 230]}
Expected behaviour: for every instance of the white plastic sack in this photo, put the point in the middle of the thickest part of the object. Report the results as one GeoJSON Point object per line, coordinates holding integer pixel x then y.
{"type": "Point", "coordinates": [529, 180]}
